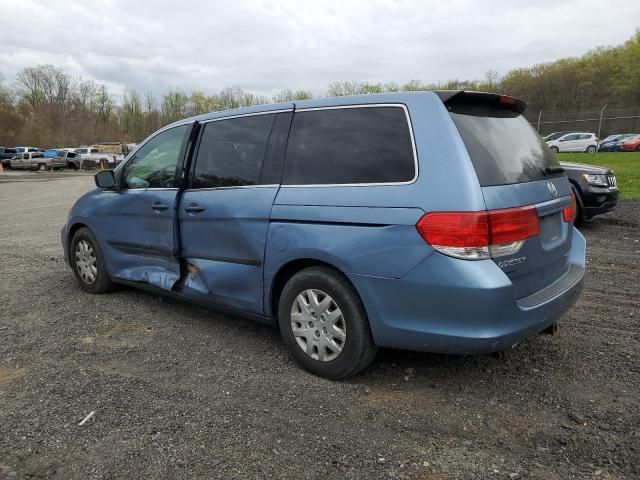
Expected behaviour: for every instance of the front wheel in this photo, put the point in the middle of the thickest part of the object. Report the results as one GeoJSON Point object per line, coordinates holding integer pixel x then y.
{"type": "Point", "coordinates": [579, 213]}
{"type": "Point", "coordinates": [554, 149]}
{"type": "Point", "coordinates": [591, 149]}
{"type": "Point", "coordinates": [324, 324]}
{"type": "Point", "coordinates": [88, 263]}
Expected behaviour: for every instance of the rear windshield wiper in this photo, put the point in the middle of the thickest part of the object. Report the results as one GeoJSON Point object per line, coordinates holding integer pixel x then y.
{"type": "Point", "coordinates": [552, 170]}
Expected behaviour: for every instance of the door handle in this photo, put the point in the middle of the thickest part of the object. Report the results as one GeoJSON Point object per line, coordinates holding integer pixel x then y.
{"type": "Point", "coordinates": [194, 209]}
{"type": "Point", "coordinates": [159, 206]}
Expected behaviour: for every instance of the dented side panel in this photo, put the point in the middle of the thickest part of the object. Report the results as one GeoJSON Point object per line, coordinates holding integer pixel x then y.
{"type": "Point", "coordinates": [136, 237]}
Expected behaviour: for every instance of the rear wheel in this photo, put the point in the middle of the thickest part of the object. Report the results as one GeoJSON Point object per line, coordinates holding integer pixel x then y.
{"type": "Point", "coordinates": [88, 263]}
{"type": "Point", "coordinates": [42, 167]}
{"type": "Point", "coordinates": [554, 149]}
{"type": "Point", "coordinates": [324, 324]}
{"type": "Point", "coordinates": [591, 149]}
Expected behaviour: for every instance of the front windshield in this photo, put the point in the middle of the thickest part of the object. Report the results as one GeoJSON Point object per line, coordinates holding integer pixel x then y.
{"type": "Point", "coordinates": [52, 153]}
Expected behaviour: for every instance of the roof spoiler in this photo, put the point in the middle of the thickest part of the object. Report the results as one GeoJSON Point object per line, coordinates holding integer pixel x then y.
{"type": "Point", "coordinates": [452, 97]}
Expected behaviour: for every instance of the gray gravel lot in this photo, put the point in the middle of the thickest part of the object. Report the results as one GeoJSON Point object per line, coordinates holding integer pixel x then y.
{"type": "Point", "coordinates": [183, 392]}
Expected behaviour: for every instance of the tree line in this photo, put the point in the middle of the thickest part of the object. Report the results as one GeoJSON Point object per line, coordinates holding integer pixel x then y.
{"type": "Point", "coordinates": [45, 106]}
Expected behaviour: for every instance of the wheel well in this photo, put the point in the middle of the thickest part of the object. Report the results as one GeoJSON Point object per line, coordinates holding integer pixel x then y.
{"type": "Point", "coordinates": [289, 270]}
{"type": "Point", "coordinates": [578, 190]}
{"type": "Point", "coordinates": [72, 231]}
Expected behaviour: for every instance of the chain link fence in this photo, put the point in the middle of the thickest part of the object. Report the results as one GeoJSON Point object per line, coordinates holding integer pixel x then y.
{"type": "Point", "coordinates": [607, 120]}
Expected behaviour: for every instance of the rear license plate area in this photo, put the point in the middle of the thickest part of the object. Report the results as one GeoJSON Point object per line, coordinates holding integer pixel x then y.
{"type": "Point", "coordinates": [551, 227]}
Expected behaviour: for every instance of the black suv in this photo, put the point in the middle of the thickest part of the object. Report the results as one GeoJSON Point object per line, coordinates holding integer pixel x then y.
{"type": "Point", "coordinates": [595, 188]}
{"type": "Point", "coordinates": [6, 154]}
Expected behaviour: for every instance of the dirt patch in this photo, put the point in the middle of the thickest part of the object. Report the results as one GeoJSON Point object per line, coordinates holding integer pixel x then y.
{"type": "Point", "coordinates": [9, 374]}
{"type": "Point", "coordinates": [117, 328]}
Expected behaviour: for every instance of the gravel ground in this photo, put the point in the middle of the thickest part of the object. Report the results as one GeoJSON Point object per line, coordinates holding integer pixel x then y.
{"type": "Point", "coordinates": [183, 392]}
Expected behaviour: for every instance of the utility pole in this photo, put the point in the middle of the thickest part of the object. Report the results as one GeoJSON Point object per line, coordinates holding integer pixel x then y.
{"type": "Point", "coordinates": [539, 116]}
{"type": "Point", "coordinates": [600, 125]}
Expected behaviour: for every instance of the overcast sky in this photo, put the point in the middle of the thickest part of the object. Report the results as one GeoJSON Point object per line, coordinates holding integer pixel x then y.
{"type": "Point", "coordinates": [265, 46]}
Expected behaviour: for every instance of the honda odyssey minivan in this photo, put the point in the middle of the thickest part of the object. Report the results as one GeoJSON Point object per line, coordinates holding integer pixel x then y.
{"type": "Point", "coordinates": [431, 221]}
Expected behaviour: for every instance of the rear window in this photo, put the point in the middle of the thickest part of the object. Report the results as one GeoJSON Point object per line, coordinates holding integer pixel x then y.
{"type": "Point", "coordinates": [349, 146]}
{"type": "Point", "coordinates": [503, 146]}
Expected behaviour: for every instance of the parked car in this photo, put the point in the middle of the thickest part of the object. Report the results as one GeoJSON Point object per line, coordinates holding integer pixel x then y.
{"type": "Point", "coordinates": [575, 142]}
{"type": "Point", "coordinates": [6, 154]}
{"type": "Point", "coordinates": [26, 149]}
{"type": "Point", "coordinates": [613, 143]}
{"type": "Point", "coordinates": [29, 161]}
{"type": "Point", "coordinates": [332, 242]}
{"type": "Point", "coordinates": [554, 136]}
{"type": "Point", "coordinates": [58, 158]}
{"type": "Point", "coordinates": [632, 144]}
{"type": "Point", "coordinates": [595, 188]}
{"type": "Point", "coordinates": [92, 154]}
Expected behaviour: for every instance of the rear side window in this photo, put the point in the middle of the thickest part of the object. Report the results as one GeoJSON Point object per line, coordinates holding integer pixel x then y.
{"type": "Point", "coordinates": [231, 152]}
{"type": "Point", "coordinates": [349, 146]}
{"type": "Point", "coordinates": [503, 147]}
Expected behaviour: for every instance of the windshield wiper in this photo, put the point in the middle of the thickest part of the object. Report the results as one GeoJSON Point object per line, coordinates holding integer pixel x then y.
{"type": "Point", "coordinates": [552, 170]}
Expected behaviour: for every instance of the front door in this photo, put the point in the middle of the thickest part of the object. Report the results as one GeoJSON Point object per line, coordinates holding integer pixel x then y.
{"type": "Point", "coordinates": [19, 161]}
{"type": "Point", "coordinates": [570, 143]}
{"type": "Point", "coordinates": [138, 221]}
{"type": "Point", "coordinates": [224, 214]}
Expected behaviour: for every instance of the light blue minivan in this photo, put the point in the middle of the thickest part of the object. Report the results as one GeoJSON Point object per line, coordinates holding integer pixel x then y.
{"type": "Point", "coordinates": [433, 221]}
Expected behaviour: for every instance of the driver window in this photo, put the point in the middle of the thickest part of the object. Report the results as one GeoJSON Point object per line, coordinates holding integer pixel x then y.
{"type": "Point", "coordinates": [154, 165]}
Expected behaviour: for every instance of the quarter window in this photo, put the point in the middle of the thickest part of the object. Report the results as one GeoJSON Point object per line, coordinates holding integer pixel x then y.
{"type": "Point", "coordinates": [231, 152]}
{"type": "Point", "coordinates": [154, 165]}
{"type": "Point", "coordinates": [349, 146]}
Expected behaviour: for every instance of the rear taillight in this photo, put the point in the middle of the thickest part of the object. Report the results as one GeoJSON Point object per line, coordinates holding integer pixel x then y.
{"type": "Point", "coordinates": [507, 100]}
{"type": "Point", "coordinates": [479, 235]}
{"type": "Point", "coordinates": [569, 213]}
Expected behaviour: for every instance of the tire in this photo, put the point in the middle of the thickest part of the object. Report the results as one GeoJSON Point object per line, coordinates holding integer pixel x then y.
{"type": "Point", "coordinates": [591, 149]}
{"type": "Point", "coordinates": [42, 167]}
{"type": "Point", "coordinates": [554, 149]}
{"type": "Point", "coordinates": [78, 251]}
{"type": "Point", "coordinates": [357, 349]}
{"type": "Point", "coordinates": [579, 214]}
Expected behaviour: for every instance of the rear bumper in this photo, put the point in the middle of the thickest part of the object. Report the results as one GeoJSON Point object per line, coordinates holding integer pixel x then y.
{"type": "Point", "coordinates": [454, 306]}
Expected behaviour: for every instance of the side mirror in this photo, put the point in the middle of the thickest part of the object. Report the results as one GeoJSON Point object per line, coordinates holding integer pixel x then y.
{"type": "Point", "coordinates": [105, 179]}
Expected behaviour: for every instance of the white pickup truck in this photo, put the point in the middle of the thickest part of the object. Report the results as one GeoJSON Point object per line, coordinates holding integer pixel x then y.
{"type": "Point", "coordinates": [100, 159]}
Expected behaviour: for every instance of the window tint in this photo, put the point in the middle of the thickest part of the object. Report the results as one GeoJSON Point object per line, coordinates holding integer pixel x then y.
{"type": "Point", "coordinates": [570, 137]}
{"type": "Point", "coordinates": [349, 145]}
{"type": "Point", "coordinates": [231, 152]}
{"type": "Point", "coordinates": [154, 165]}
{"type": "Point", "coordinates": [503, 147]}
{"type": "Point", "coordinates": [585, 136]}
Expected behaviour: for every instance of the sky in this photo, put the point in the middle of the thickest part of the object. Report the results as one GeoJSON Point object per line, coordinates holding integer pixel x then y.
{"type": "Point", "coordinates": [264, 46]}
